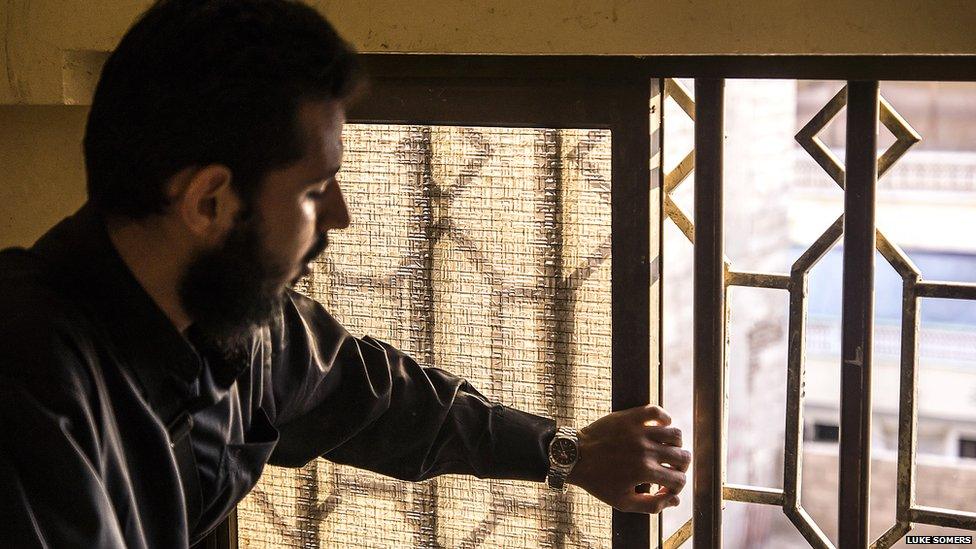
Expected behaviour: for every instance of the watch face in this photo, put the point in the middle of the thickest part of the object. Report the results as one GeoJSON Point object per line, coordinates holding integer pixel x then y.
{"type": "Point", "coordinates": [564, 451]}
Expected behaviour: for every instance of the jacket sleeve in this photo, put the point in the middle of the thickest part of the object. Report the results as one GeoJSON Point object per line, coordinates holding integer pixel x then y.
{"type": "Point", "coordinates": [51, 488]}
{"type": "Point", "coordinates": [363, 403]}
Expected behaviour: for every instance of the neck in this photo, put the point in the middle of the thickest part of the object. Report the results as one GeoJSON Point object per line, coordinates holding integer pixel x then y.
{"type": "Point", "coordinates": [147, 249]}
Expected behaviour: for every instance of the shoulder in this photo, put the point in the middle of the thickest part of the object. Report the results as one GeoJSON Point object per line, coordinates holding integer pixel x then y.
{"type": "Point", "coordinates": [304, 318]}
{"type": "Point", "coordinates": [296, 303]}
{"type": "Point", "coordinates": [43, 335]}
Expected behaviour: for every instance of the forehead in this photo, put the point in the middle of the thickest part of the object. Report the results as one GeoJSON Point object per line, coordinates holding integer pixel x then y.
{"type": "Point", "coordinates": [321, 126]}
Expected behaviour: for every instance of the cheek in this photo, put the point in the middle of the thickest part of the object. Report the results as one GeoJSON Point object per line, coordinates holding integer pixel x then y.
{"type": "Point", "coordinates": [301, 232]}
{"type": "Point", "coordinates": [290, 235]}
{"type": "Point", "coordinates": [308, 220]}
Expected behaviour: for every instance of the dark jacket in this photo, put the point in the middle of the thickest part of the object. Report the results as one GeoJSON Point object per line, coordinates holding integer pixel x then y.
{"type": "Point", "coordinates": [95, 380]}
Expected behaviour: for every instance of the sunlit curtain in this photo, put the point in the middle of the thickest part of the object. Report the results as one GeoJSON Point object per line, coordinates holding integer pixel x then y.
{"type": "Point", "coordinates": [485, 252]}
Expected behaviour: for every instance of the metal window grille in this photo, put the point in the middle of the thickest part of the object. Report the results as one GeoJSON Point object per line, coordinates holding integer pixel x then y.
{"type": "Point", "coordinates": [714, 276]}
{"type": "Point", "coordinates": [614, 93]}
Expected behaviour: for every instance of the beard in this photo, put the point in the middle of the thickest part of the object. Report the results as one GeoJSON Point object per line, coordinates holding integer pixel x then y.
{"type": "Point", "coordinates": [235, 288]}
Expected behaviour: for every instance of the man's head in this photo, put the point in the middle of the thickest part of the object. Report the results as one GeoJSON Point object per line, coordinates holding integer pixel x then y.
{"type": "Point", "coordinates": [224, 118]}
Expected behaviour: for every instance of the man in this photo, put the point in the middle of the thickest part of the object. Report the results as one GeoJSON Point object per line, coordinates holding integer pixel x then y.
{"type": "Point", "coordinates": [153, 357]}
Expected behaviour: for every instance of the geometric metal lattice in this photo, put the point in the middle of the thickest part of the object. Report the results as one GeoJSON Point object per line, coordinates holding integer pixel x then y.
{"type": "Point", "coordinates": [796, 284]}
{"type": "Point", "coordinates": [674, 178]}
{"type": "Point", "coordinates": [905, 137]}
{"type": "Point", "coordinates": [486, 252]}
{"type": "Point", "coordinates": [913, 289]}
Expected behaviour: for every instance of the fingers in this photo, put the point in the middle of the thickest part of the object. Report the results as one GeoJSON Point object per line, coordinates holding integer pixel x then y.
{"type": "Point", "coordinates": [670, 479]}
{"type": "Point", "coordinates": [665, 435]}
{"type": "Point", "coordinates": [675, 458]}
{"type": "Point", "coordinates": [665, 446]}
{"type": "Point", "coordinates": [653, 415]}
{"type": "Point", "coordinates": [635, 459]}
{"type": "Point", "coordinates": [648, 503]}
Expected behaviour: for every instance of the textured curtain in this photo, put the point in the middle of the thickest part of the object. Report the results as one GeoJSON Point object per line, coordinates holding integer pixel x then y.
{"type": "Point", "coordinates": [485, 252]}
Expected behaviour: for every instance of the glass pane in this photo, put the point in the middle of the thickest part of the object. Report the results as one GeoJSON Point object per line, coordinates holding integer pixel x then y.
{"type": "Point", "coordinates": [485, 252]}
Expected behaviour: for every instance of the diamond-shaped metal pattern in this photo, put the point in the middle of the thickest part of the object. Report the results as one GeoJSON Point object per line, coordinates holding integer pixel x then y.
{"type": "Point", "coordinates": [437, 213]}
{"type": "Point", "coordinates": [795, 283]}
{"type": "Point", "coordinates": [674, 178]}
{"type": "Point", "coordinates": [905, 137]}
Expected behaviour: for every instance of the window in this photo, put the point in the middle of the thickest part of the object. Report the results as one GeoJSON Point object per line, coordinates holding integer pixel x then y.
{"type": "Point", "coordinates": [458, 104]}
{"type": "Point", "coordinates": [825, 432]}
{"type": "Point", "coordinates": [482, 246]}
{"type": "Point", "coordinates": [967, 447]}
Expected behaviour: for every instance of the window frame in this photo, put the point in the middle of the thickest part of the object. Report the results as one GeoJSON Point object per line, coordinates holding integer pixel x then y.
{"type": "Point", "coordinates": [615, 92]}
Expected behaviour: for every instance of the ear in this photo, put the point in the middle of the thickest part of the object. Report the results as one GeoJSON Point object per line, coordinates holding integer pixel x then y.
{"type": "Point", "coordinates": [206, 202]}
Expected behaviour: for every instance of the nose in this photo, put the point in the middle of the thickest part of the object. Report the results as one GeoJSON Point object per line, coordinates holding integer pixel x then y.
{"type": "Point", "coordinates": [333, 213]}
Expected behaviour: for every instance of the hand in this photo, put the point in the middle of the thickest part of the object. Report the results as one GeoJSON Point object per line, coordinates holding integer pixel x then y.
{"type": "Point", "coordinates": [624, 449]}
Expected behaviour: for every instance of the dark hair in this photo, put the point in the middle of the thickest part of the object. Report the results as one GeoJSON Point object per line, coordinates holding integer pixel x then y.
{"type": "Point", "coordinates": [198, 82]}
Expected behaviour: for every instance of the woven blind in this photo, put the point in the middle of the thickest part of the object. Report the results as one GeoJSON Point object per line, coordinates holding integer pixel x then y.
{"type": "Point", "coordinates": [485, 252]}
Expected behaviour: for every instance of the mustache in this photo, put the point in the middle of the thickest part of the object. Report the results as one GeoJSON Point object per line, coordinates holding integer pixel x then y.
{"type": "Point", "coordinates": [321, 243]}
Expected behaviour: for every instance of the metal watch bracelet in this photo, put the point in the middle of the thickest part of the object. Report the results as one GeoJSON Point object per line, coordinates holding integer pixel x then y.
{"type": "Point", "coordinates": [563, 456]}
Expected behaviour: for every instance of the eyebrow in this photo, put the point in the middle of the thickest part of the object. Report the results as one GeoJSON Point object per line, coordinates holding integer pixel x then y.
{"type": "Point", "coordinates": [318, 179]}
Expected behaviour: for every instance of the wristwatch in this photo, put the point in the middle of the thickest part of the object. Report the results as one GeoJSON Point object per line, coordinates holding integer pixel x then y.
{"type": "Point", "coordinates": [563, 455]}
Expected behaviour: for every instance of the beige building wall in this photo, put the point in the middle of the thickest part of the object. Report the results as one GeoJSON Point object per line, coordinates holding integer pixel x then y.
{"type": "Point", "coordinates": [43, 36]}
{"type": "Point", "coordinates": [938, 485]}
{"type": "Point", "coordinates": [42, 175]}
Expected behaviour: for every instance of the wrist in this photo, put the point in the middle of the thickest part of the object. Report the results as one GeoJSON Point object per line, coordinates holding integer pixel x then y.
{"type": "Point", "coordinates": [578, 470]}
{"type": "Point", "coordinates": [564, 454]}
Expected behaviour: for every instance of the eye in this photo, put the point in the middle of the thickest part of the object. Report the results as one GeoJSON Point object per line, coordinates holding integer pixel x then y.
{"type": "Point", "coordinates": [317, 192]}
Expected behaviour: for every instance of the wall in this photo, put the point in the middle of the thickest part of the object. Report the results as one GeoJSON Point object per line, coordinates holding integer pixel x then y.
{"type": "Point", "coordinates": [41, 36]}
{"type": "Point", "coordinates": [937, 485]}
{"type": "Point", "coordinates": [41, 170]}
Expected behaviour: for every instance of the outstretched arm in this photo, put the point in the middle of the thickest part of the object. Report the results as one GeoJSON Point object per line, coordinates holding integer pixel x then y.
{"type": "Point", "coordinates": [361, 402]}
{"type": "Point", "coordinates": [364, 403]}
